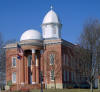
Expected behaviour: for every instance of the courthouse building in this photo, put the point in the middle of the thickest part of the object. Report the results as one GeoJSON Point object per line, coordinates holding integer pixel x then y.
{"type": "Point", "coordinates": [45, 56]}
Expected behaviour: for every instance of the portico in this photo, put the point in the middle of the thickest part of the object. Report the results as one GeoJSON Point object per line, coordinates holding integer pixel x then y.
{"type": "Point", "coordinates": [30, 64]}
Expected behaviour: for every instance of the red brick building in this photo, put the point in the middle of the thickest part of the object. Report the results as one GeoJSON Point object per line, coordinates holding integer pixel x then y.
{"type": "Point", "coordinates": [48, 55]}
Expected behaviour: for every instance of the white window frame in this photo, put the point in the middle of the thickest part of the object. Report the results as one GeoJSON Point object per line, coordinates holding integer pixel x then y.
{"type": "Point", "coordinates": [52, 75]}
{"type": "Point", "coordinates": [14, 79]}
{"type": "Point", "coordinates": [53, 55]}
{"type": "Point", "coordinates": [14, 61]}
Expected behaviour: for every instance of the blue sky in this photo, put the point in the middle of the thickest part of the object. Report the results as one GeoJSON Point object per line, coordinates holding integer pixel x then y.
{"type": "Point", "coordinates": [17, 16]}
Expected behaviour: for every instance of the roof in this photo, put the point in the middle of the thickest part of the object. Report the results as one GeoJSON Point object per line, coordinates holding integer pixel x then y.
{"type": "Point", "coordinates": [31, 35]}
{"type": "Point", "coordinates": [51, 17]}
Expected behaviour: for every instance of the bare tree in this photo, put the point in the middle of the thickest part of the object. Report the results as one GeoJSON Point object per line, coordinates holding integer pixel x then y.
{"type": "Point", "coordinates": [90, 41]}
{"type": "Point", "coordinates": [2, 52]}
{"type": "Point", "coordinates": [2, 62]}
{"type": "Point", "coordinates": [3, 59]}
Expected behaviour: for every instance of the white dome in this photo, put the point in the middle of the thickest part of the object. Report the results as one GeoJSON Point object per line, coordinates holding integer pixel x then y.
{"type": "Point", "coordinates": [31, 35]}
{"type": "Point", "coordinates": [51, 17]}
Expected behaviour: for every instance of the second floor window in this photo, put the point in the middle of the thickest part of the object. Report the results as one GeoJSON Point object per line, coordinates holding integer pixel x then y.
{"type": "Point", "coordinates": [67, 59]}
{"type": "Point", "coordinates": [52, 58]}
{"type": "Point", "coordinates": [14, 61]}
{"type": "Point", "coordinates": [64, 56]}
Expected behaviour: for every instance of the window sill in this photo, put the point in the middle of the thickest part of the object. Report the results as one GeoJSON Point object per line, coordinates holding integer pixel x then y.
{"type": "Point", "coordinates": [13, 67]}
{"type": "Point", "coordinates": [52, 80]}
{"type": "Point", "coordinates": [13, 83]}
{"type": "Point", "coordinates": [51, 64]}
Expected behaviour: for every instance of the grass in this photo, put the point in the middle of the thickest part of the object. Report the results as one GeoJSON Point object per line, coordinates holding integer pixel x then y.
{"type": "Point", "coordinates": [67, 90]}
{"type": "Point", "coordinates": [62, 90]}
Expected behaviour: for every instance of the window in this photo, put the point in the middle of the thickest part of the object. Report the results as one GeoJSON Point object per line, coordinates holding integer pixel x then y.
{"type": "Point", "coordinates": [54, 28]}
{"type": "Point", "coordinates": [14, 77]}
{"type": "Point", "coordinates": [64, 75]}
{"type": "Point", "coordinates": [52, 75]}
{"type": "Point", "coordinates": [44, 32]}
{"type": "Point", "coordinates": [66, 59]}
{"type": "Point", "coordinates": [52, 56]}
{"type": "Point", "coordinates": [41, 76]}
{"type": "Point", "coordinates": [54, 31]}
{"type": "Point", "coordinates": [14, 61]}
{"type": "Point", "coordinates": [71, 61]}
{"type": "Point", "coordinates": [67, 76]}
{"type": "Point", "coordinates": [72, 76]}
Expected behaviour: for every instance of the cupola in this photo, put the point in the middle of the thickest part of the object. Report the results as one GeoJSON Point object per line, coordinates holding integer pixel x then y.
{"type": "Point", "coordinates": [51, 25]}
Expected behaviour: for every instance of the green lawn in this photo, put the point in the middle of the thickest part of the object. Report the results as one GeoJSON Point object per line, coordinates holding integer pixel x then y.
{"type": "Point", "coordinates": [67, 90]}
{"type": "Point", "coordinates": [61, 90]}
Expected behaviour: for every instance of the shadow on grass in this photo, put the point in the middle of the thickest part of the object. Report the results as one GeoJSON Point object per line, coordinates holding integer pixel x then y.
{"type": "Point", "coordinates": [66, 90]}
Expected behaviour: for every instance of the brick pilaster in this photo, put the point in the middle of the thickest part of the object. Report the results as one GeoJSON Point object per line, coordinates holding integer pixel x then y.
{"type": "Point", "coordinates": [22, 71]}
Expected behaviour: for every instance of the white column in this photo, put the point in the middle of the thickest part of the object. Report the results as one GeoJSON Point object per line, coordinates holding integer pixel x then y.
{"type": "Point", "coordinates": [33, 67]}
{"type": "Point", "coordinates": [33, 50]}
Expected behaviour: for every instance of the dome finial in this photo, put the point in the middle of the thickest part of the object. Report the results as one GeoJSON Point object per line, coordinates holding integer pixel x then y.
{"type": "Point", "coordinates": [51, 7]}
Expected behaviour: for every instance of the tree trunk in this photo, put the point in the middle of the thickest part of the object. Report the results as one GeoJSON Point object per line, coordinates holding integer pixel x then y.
{"type": "Point", "coordinates": [91, 86]}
